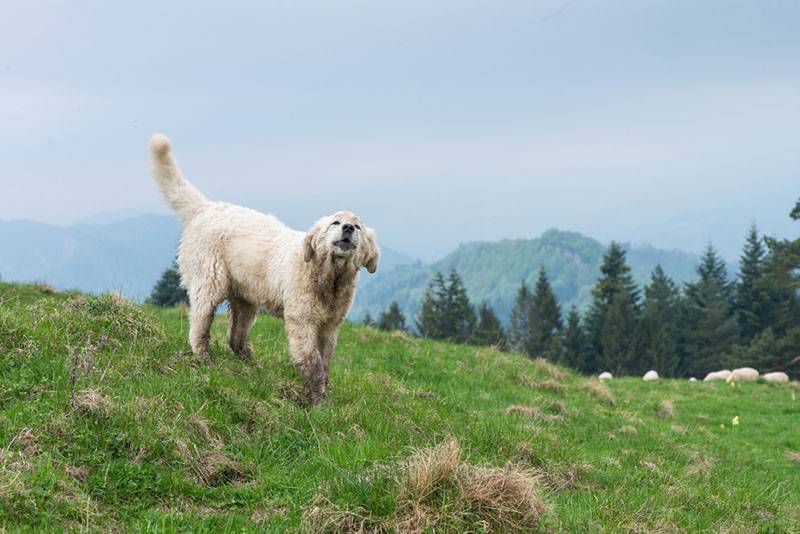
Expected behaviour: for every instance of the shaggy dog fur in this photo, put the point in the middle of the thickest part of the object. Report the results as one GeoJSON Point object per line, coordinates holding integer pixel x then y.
{"type": "Point", "coordinates": [258, 263]}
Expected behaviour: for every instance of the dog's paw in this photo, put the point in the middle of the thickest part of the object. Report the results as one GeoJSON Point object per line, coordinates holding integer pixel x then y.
{"type": "Point", "coordinates": [203, 357]}
{"type": "Point", "coordinates": [317, 397]}
{"type": "Point", "coordinates": [246, 355]}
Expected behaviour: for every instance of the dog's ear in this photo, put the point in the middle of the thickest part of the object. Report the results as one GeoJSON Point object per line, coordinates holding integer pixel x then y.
{"type": "Point", "coordinates": [308, 244]}
{"type": "Point", "coordinates": [371, 255]}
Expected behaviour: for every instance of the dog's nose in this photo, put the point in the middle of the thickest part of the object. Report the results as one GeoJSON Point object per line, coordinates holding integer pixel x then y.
{"type": "Point", "coordinates": [348, 228]}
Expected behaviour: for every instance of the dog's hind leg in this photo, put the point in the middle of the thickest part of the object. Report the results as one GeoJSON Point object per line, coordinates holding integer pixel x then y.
{"type": "Point", "coordinates": [201, 316]}
{"type": "Point", "coordinates": [241, 319]}
{"type": "Point", "coordinates": [303, 344]}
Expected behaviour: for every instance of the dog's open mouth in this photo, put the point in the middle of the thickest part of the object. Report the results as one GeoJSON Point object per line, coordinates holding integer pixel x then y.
{"type": "Point", "coordinates": [345, 245]}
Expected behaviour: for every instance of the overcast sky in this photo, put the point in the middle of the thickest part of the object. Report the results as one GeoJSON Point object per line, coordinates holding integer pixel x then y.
{"type": "Point", "coordinates": [673, 122]}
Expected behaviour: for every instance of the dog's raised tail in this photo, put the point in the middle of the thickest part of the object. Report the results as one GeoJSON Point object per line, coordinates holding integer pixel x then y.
{"type": "Point", "coordinates": [183, 197]}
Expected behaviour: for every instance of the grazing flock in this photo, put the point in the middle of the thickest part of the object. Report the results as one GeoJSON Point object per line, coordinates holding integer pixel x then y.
{"type": "Point", "coordinates": [743, 374]}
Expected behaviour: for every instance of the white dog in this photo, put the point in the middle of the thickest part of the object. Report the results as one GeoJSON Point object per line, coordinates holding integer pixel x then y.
{"type": "Point", "coordinates": [256, 262]}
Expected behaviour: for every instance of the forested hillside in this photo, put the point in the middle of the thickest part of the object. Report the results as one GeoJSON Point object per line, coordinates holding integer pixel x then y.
{"type": "Point", "coordinates": [492, 272]}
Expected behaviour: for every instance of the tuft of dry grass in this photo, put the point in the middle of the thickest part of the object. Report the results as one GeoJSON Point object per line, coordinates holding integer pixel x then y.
{"type": "Point", "coordinates": [211, 468]}
{"type": "Point", "coordinates": [503, 499]}
{"type": "Point", "coordinates": [666, 409]}
{"type": "Point", "coordinates": [599, 390]}
{"type": "Point", "coordinates": [650, 466]}
{"type": "Point", "coordinates": [46, 289]}
{"type": "Point", "coordinates": [549, 384]}
{"type": "Point", "coordinates": [79, 473]}
{"type": "Point", "coordinates": [324, 517]}
{"type": "Point", "coordinates": [92, 402]}
{"type": "Point", "coordinates": [427, 468]}
{"type": "Point", "coordinates": [553, 371]}
{"type": "Point", "coordinates": [566, 479]}
{"type": "Point", "coordinates": [12, 464]}
{"type": "Point", "coordinates": [202, 426]}
{"type": "Point", "coordinates": [216, 469]}
{"type": "Point", "coordinates": [532, 412]}
{"type": "Point", "coordinates": [628, 429]}
{"type": "Point", "coordinates": [26, 441]}
{"type": "Point", "coordinates": [507, 499]}
{"type": "Point", "coordinates": [793, 456]}
{"type": "Point", "coordinates": [699, 464]}
{"type": "Point", "coordinates": [117, 298]}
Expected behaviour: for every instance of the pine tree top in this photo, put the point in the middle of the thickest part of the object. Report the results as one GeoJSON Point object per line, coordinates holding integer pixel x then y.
{"type": "Point", "coordinates": [712, 267]}
{"type": "Point", "coordinates": [573, 317]}
{"type": "Point", "coordinates": [661, 286]}
{"type": "Point", "coordinates": [752, 258]}
{"type": "Point", "coordinates": [616, 277]}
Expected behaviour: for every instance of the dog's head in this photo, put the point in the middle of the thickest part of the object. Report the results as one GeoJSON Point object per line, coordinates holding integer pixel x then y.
{"type": "Point", "coordinates": [343, 236]}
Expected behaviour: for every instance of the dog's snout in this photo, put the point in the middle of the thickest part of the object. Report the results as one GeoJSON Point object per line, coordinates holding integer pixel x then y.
{"type": "Point", "coordinates": [348, 228]}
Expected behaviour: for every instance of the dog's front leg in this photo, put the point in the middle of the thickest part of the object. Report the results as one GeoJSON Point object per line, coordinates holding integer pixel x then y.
{"type": "Point", "coordinates": [327, 344]}
{"type": "Point", "coordinates": [305, 352]}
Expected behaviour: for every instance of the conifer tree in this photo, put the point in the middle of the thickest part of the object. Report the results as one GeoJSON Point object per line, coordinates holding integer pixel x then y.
{"type": "Point", "coordinates": [489, 330]}
{"type": "Point", "coordinates": [545, 320]}
{"type": "Point", "coordinates": [430, 320]}
{"type": "Point", "coordinates": [574, 342]}
{"type": "Point", "coordinates": [659, 326]}
{"type": "Point", "coordinates": [617, 334]}
{"type": "Point", "coordinates": [368, 321]}
{"type": "Point", "coordinates": [168, 291]}
{"type": "Point", "coordinates": [712, 268]}
{"type": "Point", "coordinates": [446, 312]}
{"type": "Point", "coordinates": [519, 331]}
{"type": "Point", "coordinates": [460, 314]}
{"type": "Point", "coordinates": [613, 314]}
{"type": "Point", "coordinates": [751, 297]}
{"type": "Point", "coordinates": [710, 329]}
{"type": "Point", "coordinates": [392, 319]}
{"type": "Point", "coordinates": [781, 283]}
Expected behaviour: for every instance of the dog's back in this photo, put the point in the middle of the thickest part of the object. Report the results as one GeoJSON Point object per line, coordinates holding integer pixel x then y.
{"type": "Point", "coordinates": [247, 251]}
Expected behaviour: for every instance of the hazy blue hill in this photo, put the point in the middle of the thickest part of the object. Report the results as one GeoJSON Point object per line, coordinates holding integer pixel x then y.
{"type": "Point", "coordinates": [492, 271]}
{"type": "Point", "coordinates": [126, 255]}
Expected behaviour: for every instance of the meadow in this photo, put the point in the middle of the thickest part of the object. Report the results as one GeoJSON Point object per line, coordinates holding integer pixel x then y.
{"type": "Point", "coordinates": [107, 423]}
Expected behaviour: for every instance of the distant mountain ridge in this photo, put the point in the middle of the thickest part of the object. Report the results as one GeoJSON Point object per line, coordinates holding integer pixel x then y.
{"type": "Point", "coordinates": [129, 256]}
{"type": "Point", "coordinates": [125, 255]}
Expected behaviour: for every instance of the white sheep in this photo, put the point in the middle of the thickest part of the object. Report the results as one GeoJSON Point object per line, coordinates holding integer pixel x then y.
{"type": "Point", "coordinates": [605, 376]}
{"type": "Point", "coordinates": [650, 375]}
{"type": "Point", "coordinates": [775, 377]}
{"type": "Point", "coordinates": [717, 375]}
{"type": "Point", "coordinates": [743, 374]}
{"type": "Point", "coordinates": [693, 379]}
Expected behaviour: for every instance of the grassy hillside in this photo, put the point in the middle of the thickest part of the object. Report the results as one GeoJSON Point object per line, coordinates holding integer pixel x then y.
{"type": "Point", "coordinates": [492, 272]}
{"type": "Point", "coordinates": [106, 423]}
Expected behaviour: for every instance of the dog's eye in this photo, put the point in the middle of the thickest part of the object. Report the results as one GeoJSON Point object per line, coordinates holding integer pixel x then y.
{"type": "Point", "coordinates": [335, 222]}
{"type": "Point", "coordinates": [358, 227]}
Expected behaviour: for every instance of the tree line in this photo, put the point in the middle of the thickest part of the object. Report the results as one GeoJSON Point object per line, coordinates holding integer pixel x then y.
{"type": "Point", "coordinates": [706, 325]}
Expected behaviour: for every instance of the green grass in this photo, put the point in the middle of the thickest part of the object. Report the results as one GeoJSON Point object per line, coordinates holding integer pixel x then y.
{"type": "Point", "coordinates": [148, 440]}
